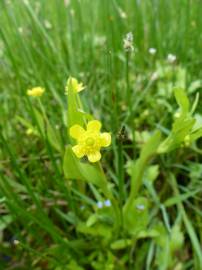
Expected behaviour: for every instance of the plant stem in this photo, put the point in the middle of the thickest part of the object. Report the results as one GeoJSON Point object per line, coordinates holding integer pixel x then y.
{"type": "Point", "coordinates": [108, 194]}
{"type": "Point", "coordinates": [129, 100]}
{"type": "Point", "coordinates": [122, 195]}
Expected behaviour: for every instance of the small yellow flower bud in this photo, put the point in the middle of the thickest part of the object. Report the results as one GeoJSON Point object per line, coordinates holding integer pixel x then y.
{"type": "Point", "coordinates": [72, 82]}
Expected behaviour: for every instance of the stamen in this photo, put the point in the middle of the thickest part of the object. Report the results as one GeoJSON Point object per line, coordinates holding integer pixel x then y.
{"type": "Point", "coordinates": [90, 141]}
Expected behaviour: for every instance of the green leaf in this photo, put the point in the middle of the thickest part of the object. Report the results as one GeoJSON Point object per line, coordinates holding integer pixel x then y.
{"type": "Point", "coordinates": [85, 115]}
{"type": "Point", "coordinates": [181, 77]}
{"type": "Point", "coordinates": [148, 234]}
{"type": "Point", "coordinates": [47, 130]}
{"type": "Point", "coordinates": [74, 169]}
{"type": "Point", "coordinates": [182, 100]}
{"type": "Point", "coordinates": [163, 254]}
{"type": "Point", "coordinates": [177, 238]}
{"type": "Point", "coordinates": [74, 115]}
{"type": "Point", "coordinates": [40, 121]}
{"type": "Point", "coordinates": [196, 135]}
{"type": "Point", "coordinates": [24, 122]}
{"type": "Point", "coordinates": [195, 103]}
{"type": "Point", "coordinates": [92, 220]}
{"type": "Point", "coordinates": [198, 123]}
{"type": "Point", "coordinates": [179, 198]}
{"type": "Point", "coordinates": [136, 217]}
{"type": "Point", "coordinates": [138, 168]}
{"type": "Point", "coordinates": [195, 85]}
{"type": "Point", "coordinates": [98, 229]}
{"type": "Point", "coordinates": [54, 138]}
{"type": "Point", "coordinates": [5, 221]}
{"type": "Point", "coordinates": [151, 173]}
{"type": "Point", "coordinates": [150, 148]}
{"type": "Point", "coordinates": [72, 266]}
{"type": "Point", "coordinates": [181, 128]}
{"type": "Point", "coordinates": [121, 244]}
{"type": "Point", "coordinates": [185, 128]}
{"type": "Point", "coordinates": [196, 245]}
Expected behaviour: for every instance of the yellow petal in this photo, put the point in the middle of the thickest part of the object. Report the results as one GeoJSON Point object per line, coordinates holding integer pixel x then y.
{"type": "Point", "coordinates": [94, 157]}
{"type": "Point", "coordinates": [76, 132]}
{"type": "Point", "coordinates": [105, 139]}
{"type": "Point", "coordinates": [35, 92]}
{"type": "Point", "coordinates": [94, 125]}
{"type": "Point", "coordinates": [78, 151]}
{"type": "Point", "coordinates": [80, 87]}
{"type": "Point", "coordinates": [72, 82]}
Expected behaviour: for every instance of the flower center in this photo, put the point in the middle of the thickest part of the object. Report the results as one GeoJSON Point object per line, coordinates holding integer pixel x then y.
{"type": "Point", "coordinates": [90, 141]}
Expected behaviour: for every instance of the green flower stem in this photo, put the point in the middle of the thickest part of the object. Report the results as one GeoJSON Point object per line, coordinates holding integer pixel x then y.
{"type": "Point", "coordinates": [122, 194]}
{"type": "Point", "coordinates": [137, 178]}
{"type": "Point", "coordinates": [128, 92]}
{"type": "Point", "coordinates": [108, 194]}
{"type": "Point", "coordinates": [43, 110]}
{"type": "Point", "coordinates": [129, 97]}
{"type": "Point", "coordinates": [148, 151]}
{"type": "Point", "coordinates": [136, 181]}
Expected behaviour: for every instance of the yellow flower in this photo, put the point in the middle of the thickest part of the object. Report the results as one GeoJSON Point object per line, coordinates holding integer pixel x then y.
{"type": "Point", "coordinates": [89, 141]}
{"type": "Point", "coordinates": [72, 82]}
{"type": "Point", "coordinates": [35, 92]}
